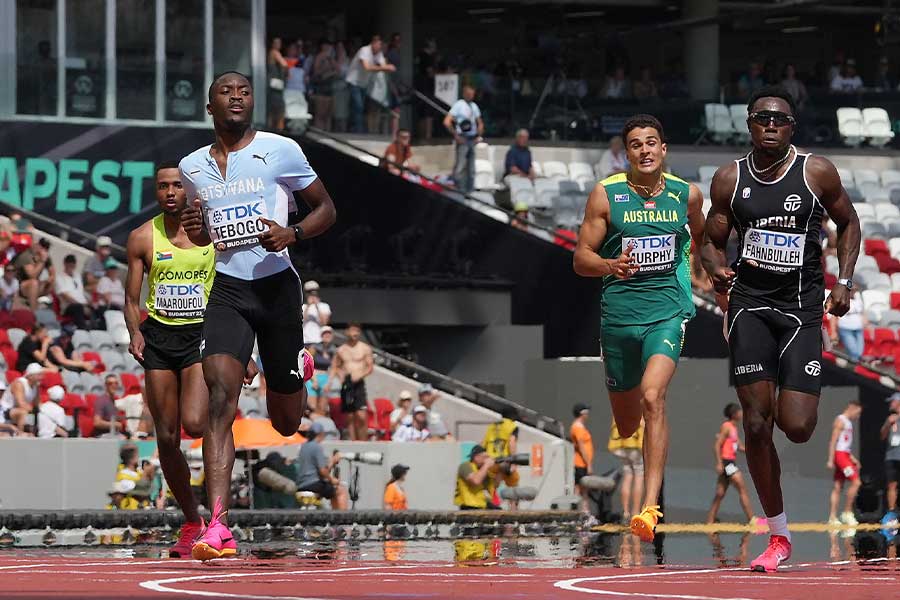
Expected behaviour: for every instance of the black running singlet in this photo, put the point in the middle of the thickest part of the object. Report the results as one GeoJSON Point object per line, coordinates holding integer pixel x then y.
{"type": "Point", "coordinates": [780, 254]}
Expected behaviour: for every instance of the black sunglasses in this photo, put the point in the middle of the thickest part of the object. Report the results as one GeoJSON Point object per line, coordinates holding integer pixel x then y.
{"type": "Point", "coordinates": [764, 117]}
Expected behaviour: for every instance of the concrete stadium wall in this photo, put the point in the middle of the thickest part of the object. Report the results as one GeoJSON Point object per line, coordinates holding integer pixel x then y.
{"type": "Point", "coordinates": [696, 398]}
{"type": "Point", "coordinates": [56, 474]}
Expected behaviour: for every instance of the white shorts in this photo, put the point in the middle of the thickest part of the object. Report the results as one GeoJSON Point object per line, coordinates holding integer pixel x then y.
{"type": "Point", "coordinates": [632, 460]}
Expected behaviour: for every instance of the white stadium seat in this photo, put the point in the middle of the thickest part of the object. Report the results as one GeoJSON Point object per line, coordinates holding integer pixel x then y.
{"type": "Point", "coordinates": [883, 212]}
{"type": "Point", "coordinates": [890, 178]}
{"type": "Point", "coordinates": [538, 168]}
{"type": "Point", "coordinates": [866, 263]}
{"type": "Point", "coordinates": [706, 173]}
{"type": "Point", "coordinates": [484, 151]}
{"type": "Point", "coordinates": [485, 179]}
{"type": "Point", "coordinates": [846, 177]}
{"type": "Point", "coordinates": [739, 121]}
{"type": "Point", "coordinates": [718, 123]}
{"type": "Point", "coordinates": [895, 282]}
{"type": "Point", "coordinates": [850, 125]}
{"type": "Point", "coordinates": [873, 299]}
{"type": "Point", "coordinates": [864, 176]}
{"type": "Point", "coordinates": [894, 246]}
{"type": "Point", "coordinates": [865, 211]}
{"type": "Point", "coordinates": [545, 189]}
{"type": "Point", "coordinates": [583, 174]}
{"type": "Point", "coordinates": [877, 125]}
{"type": "Point", "coordinates": [556, 169]}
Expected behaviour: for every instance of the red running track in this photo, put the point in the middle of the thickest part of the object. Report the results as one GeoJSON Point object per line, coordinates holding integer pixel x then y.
{"type": "Point", "coordinates": [281, 579]}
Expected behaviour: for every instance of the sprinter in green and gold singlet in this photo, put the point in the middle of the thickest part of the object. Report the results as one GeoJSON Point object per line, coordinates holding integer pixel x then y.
{"type": "Point", "coordinates": [167, 343]}
{"type": "Point", "coordinates": [636, 235]}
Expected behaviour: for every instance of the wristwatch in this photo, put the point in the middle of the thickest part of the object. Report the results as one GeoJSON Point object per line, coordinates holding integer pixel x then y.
{"type": "Point", "coordinates": [847, 283]}
{"type": "Point", "coordinates": [298, 232]}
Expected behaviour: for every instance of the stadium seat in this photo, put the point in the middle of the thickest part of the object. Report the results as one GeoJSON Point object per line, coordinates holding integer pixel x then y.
{"type": "Point", "coordinates": [112, 359]}
{"type": "Point", "coordinates": [890, 178]}
{"type": "Point", "coordinates": [337, 415]}
{"type": "Point", "coordinates": [10, 356]}
{"type": "Point", "coordinates": [866, 263]}
{"type": "Point", "coordinates": [46, 317]}
{"type": "Point", "coordinates": [485, 197]}
{"type": "Point", "coordinates": [876, 300]}
{"type": "Point", "coordinates": [383, 409]}
{"type": "Point", "coordinates": [72, 401]}
{"type": "Point", "coordinates": [893, 226]}
{"type": "Point", "coordinates": [538, 168]}
{"type": "Point", "coordinates": [865, 211]}
{"type": "Point", "coordinates": [831, 264]}
{"type": "Point", "coordinates": [484, 151]}
{"type": "Point", "coordinates": [521, 190]}
{"type": "Point", "coordinates": [50, 379]}
{"type": "Point", "coordinates": [894, 195]}
{"type": "Point", "coordinates": [131, 383]}
{"type": "Point", "coordinates": [73, 382]}
{"type": "Point", "coordinates": [846, 176]}
{"type": "Point", "coordinates": [873, 228]}
{"type": "Point", "coordinates": [890, 318]}
{"type": "Point", "coordinates": [113, 318]}
{"type": "Point", "coordinates": [850, 126]}
{"type": "Point", "coordinates": [485, 178]}
{"type": "Point", "coordinates": [874, 246]}
{"type": "Point", "coordinates": [739, 121]}
{"type": "Point", "coordinates": [556, 169]}
{"type": "Point", "coordinates": [706, 173]}
{"type": "Point", "coordinates": [131, 364]}
{"type": "Point", "coordinates": [120, 336]}
{"type": "Point", "coordinates": [583, 174]}
{"type": "Point", "coordinates": [101, 340]}
{"type": "Point", "coordinates": [95, 358]}
{"type": "Point", "coordinates": [854, 194]}
{"type": "Point", "coordinates": [22, 318]}
{"type": "Point", "coordinates": [12, 375]}
{"type": "Point", "coordinates": [874, 280]}
{"type": "Point", "coordinates": [16, 336]}
{"type": "Point", "coordinates": [877, 125]}
{"type": "Point", "coordinates": [864, 176]}
{"type": "Point", "coordinates": [92, 383]}
{"type": "Point", "coordinates": [718, 123]}
{"type": "Point", "coordinates": [569, 187]}
{"type": "Point", "coordinates": [81, 339]}
{"type": "Point", "coordinates": [545, 189]}
{"type": "Point", "coordinates": [886, 211]}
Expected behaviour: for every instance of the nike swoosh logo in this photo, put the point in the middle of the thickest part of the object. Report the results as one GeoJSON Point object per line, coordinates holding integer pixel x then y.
{"type": "Point", "coordinates": [205, 252]}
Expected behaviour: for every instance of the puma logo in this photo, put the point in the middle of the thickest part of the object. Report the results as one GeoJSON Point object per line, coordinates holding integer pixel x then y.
{"type": "Point", "coordinates": [671, 345]}
{"type": "Point", "coordinates": [297, 373]}
{"type": "Point", "coordinates": [262, 158]}
{"type": "Point", "coordinates": [675, 197]}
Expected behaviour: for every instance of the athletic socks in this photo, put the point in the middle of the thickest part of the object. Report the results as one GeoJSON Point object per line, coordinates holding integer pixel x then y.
{"type": "Point", "coordinates": [778, 526]}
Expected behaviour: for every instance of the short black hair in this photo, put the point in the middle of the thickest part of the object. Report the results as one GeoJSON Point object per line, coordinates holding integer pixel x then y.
{"type": "Point", "coordinates": [216, 78]}
{"type": "Point", "coordinates": [127, 453]}
{"type": "Point", "coordinates": [70, 258]}
{"type": "Point", "coordinates": [641, 121]}
{"type": "Point", "coordinates": [166, 164]}
{"type": "Point", "coordinates": [731, 409]}
{"type": "Point", "coordinates": [510, 412]}
{"type": "Point", "coordinates": [772, 91]}
{"type": "Point", "coordinates": [354, 324]}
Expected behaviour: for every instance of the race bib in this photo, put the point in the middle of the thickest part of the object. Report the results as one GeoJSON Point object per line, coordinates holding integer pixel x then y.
{"type": "Point", "coordinates": [773, 250]}
{"type": "Point", "coordinates": [848, 472]}
{"type": "Point", "coordinates": [895, 440]}
{"type": "Point", "coordinates": [654, 253]}
{"type": "Point", "coordinates": [730, 469]}
{"type": "Point", "coordinates": [180, 300]}
{"type": "Point", "coordinates": [237, 224]}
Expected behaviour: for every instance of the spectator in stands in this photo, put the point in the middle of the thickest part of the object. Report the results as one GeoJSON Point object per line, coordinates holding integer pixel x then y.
{"type": "Point", "coordinates": [837, 66]}
{"type": "Point", "coordinates": [794, 86]}
{"type": "Point", "coordinates": [436, 426]}
{"type": "Point", "coordinates": [580, 437]}
{"type": "Point", "coordinates": [521, 219]}
{"type": "Point", "coordinates": [884, 79]}
{"type": "Point", "coordinates": [325, 349]}
{"type": "Point", "coordinates": [851, 327]}
{"type": "Point", "coordinates": [7, 429]}
{"type": "Point", "coordinates": [311, 416]}
{"type": "Point", "coordinates": [314, 470]}
{"type": "Point", "coordinates": [617, 85]}
{"type": "Point", "coordinates": [465, 124]}
{"type": "Point", "coordinates": [367, 61]}
{"type": "Point", "coordinates": [129, 468]}
{"type": "Point", "coordinates": [399, 152]}
{"type": "Point", "coordinates": [276, 67]}
{"type": "Point", "coordinates": [414, 428]}
{"type": "Point", "coordinates": [9, 288]}
{"type": "Point", "coordinates": [70, 292]}
{"type": "Point", "coordinates": [750, 81]}
{"type": "Point", "coordinates": [402, 411]}
{"type": "Point", "coordinates": [353, 362]}
{"type": "Point", "coordinates": [34, 349]}
{"type": "Point", "coordinates": [36, 272]}
{"type": "Point", "coordinates": [119, 498]}
{"type": "Point", "coordinates": [502, 440]}
{"type": "Point", "coordinates": [294, 92]}
{"type": "Point", "coordinates": [18, 401]}
{"type": "Point", "coordinates": [63, 355]}
{"type": "Point", "coordinates": [51, 416]}
{"type": "Point", "coordinates": [474, 484]}
{"type": "Point", "coordinates": [7, 249]}
{"type": "Point", "coordinates": [316, 314]}
{"type": "Point", "coordinates": [96, 264]}
{"type": "Point", "coordinates": [673, 83]}
{"type": "Point", "coordinates": [110, 288]}
{"type": "Point", "coordinates": [613, 159]}
{"type": "Point", "coordinates": [890, 434]}
{"type": "Point", "coordinates": [848, 81]}
{"type": "Point", "coordinates": [394, 495]}
{"type": "Point", "coordinates": [518, 157]}
{"type": "Point", "coordinates": [426, 65]}
{"type": "Point", "coordinates": [324, 73]}
{"type": "Point", "coordinates": [105, 412]}
{"type": "Point", "coordinates": [645, 87]}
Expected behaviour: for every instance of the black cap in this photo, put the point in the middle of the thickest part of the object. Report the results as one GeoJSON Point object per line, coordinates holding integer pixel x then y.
{"type": "Point", "coordinates": [398, 471]}
{"type": "Point", "coordinates": [476, 450]}
{"type": "Point", "coordinates": [579, 409]}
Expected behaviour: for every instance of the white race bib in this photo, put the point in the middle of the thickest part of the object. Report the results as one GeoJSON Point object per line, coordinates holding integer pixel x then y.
{"type": "Point", "coordinates": [773, 250]}
{"type": "Point", "coordinates": [237, 224]}
{"type": "Point", "coordinates": [895, 440]}
{"type": "Point", "coordinates": [180, 300]}
{"type": "Point", "coordinates": [730, 469]}
{"type": "Point", "coordinates": [654, 253]}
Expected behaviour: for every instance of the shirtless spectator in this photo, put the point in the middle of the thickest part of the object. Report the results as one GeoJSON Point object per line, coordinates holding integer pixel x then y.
{"type": "Point", "coordinates": [353, 362]}
{"type": "Point", "coordinates": [36, 272]}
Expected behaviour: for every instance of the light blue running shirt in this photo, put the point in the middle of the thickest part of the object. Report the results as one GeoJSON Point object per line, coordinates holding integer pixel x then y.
{"type": "Point", "coordinates": [260, 179]}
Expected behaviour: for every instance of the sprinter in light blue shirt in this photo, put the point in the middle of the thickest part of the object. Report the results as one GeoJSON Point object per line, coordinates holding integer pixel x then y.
{"type": "Point", "coordinates": [241, 191]}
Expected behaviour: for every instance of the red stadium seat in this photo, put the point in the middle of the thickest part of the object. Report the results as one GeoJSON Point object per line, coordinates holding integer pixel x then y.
{"type": "Point", "coordinates": [86, 416]}
{"type": "Point", "coordinates": [830, 281]}
{"type": "Point", "coordinates": [876, 246]}
{"type": "Point", "coordinates": [337, 415]}
{"type": "Point", "coordinates": [130, 383]}
{"type": "Point", "coordinates": [829, 356]}
{"type": "Point", "coordinates": [869, 348]}
{"type": "Point", "coordinates": [22, 318]}
{"type": "Point", "coordinates": [50, 379]}
{"type": "Point", "coordinates": [12, 375]}
{"type": "Point", "coordinates": [72, 402]}
{"type": "Point", "coordinates": [4, 337]}
{"type": "Point", "coordinates": [94, 357]}
{"type": "Point", "coordinates": [383, 409]}
{"type": "Point", "coordinates": [885, 341]}
{"type": "Point", "coordinates": [10, 356]}
{"type": "Point", "coordinates": [895, 300]}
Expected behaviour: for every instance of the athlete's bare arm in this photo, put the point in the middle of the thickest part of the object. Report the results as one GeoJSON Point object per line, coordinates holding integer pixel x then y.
{"type": "Point", "coordinates": [719, 223]}
{"type": "Point", "coordinates": [696, 220]}
{"type": "Point", "coordinates": [823, 177]}
{"type": "Point", "coordinates": [323, 216]}
{"type": "Point", "coordinates": [137, 249]}
{"type": "Point", "coordinates": [836, 428]}
{"type": "Point", "coordinates": [194, 227]}
{"type": "Point", "coordinates": [587, 262]}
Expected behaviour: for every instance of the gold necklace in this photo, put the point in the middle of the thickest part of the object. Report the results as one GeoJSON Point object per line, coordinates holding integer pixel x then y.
{"type": "Point", "coordinates": [774, 165]}
{"type": "Point", "coordinates": [648, 191]}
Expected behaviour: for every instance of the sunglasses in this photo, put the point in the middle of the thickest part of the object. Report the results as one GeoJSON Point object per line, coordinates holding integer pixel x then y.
{"type": "Point", "coordinates": [764, 117]}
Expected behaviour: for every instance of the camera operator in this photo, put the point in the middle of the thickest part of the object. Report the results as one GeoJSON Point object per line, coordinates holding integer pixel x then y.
{"type": "Point", "coordinates": [501, 440]}
{"type": "Point", "coordinates": [474, 483]}
{"type": "Point", "coordinates": [314, 469]}
{"type": "Point", "coordinates": [465, 124]}
{"type": "Point", "coordinates": [890, 433]}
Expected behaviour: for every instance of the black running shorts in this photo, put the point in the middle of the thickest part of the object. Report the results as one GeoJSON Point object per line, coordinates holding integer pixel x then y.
{"type": "Point", "coordinates": [267, 308]}
{"type": "Point", "coordinates": [170, 347]}
{"type": "Point", "coordinates": [353, 395]}
{"type": "Point", "coordinates": [774, 345]}
{"type": "Point", "coordinates": [892, 471]}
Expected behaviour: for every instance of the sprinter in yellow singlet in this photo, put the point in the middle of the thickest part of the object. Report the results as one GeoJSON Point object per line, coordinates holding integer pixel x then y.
{"type": "Point", "coordinates": [167, 343]}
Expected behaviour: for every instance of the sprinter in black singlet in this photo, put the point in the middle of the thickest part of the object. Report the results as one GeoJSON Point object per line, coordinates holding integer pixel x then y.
{"type": "Point", "coordinates": [775, 198]}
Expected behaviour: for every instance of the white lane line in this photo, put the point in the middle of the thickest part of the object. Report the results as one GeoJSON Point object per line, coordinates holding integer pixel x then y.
{"type": "Point", "coordinates": [572, 585]}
